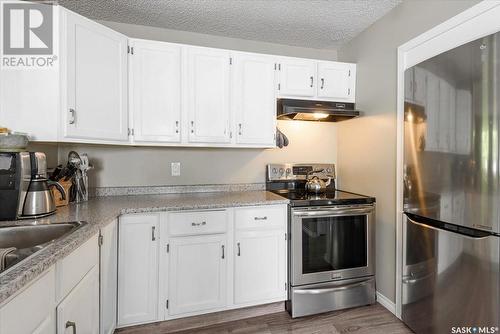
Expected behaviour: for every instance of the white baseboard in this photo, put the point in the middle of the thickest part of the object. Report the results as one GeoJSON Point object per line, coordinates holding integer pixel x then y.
{"type": "Point", "coordinates": [386, 302]}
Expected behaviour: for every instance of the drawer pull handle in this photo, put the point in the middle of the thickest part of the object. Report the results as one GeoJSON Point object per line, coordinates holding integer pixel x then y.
{"type": "Point", "coordinates": [71, 324]}
{"type": "Point", "coordinates": [260, 218]}
{"type": "Point", "coordinates": [199, 224]}
{"type": "Point", "coordinates": [223, 256]}
{"type": "Point", "coordinates": [239, 250]}
{"type": "Point", "coordinates": [153, 236]}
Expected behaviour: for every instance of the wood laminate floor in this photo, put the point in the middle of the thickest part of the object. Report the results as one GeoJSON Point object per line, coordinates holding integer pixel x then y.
{"type": "Point", "coordinates": [374, 319]}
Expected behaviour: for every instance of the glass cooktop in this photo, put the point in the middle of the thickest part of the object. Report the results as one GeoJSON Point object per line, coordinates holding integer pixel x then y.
{"type": "Point", "coordinates": [299, 197]}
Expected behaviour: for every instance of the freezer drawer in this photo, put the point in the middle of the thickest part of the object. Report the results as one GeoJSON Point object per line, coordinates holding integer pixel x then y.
{"type": "Point", "coordinates": [325, 297]}
{"type": "Point", "coordinates": [450, 279]}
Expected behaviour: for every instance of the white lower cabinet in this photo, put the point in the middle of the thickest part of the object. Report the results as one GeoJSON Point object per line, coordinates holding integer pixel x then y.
{"type": "Point", "coordinates": [200, 262]}
{"type": "Point", "coordinates": [138, 269]}
{"type": "Point", "coordinates": [259, 266]}
{"type": "Point", "coordinates": [108, 277]}
{"type": "Point", "coordinates": [197, 273]}
{"type": "Point", "coordinates": [33, 310]}
{"type": "Point", "coordinates": [79, 311]}
{"type": "Point", "coordinates": [64, 299]}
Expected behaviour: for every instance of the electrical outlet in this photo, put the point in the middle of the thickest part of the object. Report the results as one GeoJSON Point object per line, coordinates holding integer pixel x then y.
{"type": "Point", "coordinates": [175, 167]}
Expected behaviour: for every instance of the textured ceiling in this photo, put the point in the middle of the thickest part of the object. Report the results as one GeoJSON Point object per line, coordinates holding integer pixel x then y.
{"type": "Point", "coordinates": [320, 24]}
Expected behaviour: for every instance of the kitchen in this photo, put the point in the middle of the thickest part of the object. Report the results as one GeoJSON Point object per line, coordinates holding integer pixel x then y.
{"type": "Point", "coordinates": [156, 175]}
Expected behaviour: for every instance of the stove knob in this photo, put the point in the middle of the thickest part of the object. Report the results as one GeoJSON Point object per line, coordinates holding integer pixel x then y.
{"type": "Point", "coordinates": [282, 170]}
{"type": "Point", "coordinates": [288, 170]}
{"type": "Point", "coordinates": [329, 170]}
{"type": "Point", "coordinates": [275, 170]}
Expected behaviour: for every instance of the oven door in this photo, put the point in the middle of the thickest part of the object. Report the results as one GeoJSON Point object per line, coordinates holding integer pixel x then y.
{"type": "Point", "coordinates": [332, 243]}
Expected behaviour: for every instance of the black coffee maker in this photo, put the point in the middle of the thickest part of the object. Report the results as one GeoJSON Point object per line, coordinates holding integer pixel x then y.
{"type": "Point", "coordinates": [24, 187]}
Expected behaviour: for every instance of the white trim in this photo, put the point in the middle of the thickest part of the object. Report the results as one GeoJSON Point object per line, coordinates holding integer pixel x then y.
{"type": "Point", "coordinates": [478, 21]}
{"type": "Point", "coordinates": [386, 302]}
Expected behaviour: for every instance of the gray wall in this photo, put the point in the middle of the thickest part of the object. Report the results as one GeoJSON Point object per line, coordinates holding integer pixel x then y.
{"type": "Point", "coordinates": [367, 145]}
{"type": "Point", "coordinates": [143, 166]}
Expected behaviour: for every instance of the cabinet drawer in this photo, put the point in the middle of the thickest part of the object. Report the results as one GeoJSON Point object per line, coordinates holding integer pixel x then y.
{"type": "Point", "coordinates": [261, 217]}
{"type": "Point", "coordinates": [200, 222]}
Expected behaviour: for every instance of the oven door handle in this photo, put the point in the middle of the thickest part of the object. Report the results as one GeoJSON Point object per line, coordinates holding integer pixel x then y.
{"type": "Point", "coordinates": [333, 212]}
{"type": "Point", "coordinates": [329, 290]}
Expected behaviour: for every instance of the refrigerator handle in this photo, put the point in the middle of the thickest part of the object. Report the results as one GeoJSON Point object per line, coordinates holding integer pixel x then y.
{"type": "Point", "coordinates": [442, 226]}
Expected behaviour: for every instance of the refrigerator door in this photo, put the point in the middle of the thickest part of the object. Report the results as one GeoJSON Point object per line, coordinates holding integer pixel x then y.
{"type": "Point", "coordinates": [452, 136]}
{"type": "Point", "coordinates": [450, 279]}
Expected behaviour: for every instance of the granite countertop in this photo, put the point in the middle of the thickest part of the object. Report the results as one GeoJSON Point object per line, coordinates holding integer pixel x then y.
{"type": "Point", "coordinates": [101, 211]}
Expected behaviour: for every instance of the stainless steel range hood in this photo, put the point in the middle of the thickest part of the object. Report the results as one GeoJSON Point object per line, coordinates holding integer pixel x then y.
{"type": "Point", "coordinates": [319, 111]}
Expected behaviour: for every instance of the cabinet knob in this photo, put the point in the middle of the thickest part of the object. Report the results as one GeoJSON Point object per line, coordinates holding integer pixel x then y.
{"type": "Point", "coordinates": [71, 324]}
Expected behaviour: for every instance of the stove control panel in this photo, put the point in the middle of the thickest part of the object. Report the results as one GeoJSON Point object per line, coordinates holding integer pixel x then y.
{"type": "Point", "coordinates": [290, 172]}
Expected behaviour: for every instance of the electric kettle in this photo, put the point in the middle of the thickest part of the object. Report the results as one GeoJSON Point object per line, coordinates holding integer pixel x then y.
{"type": "Point", "coordinates": [39, 200]}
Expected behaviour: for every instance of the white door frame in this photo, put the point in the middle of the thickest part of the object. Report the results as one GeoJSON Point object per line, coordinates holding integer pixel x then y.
{"type": "Point", "coordinates": [475, 22]}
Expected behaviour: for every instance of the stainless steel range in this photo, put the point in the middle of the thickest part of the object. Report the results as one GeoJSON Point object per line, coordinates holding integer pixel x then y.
{"type": "Point", "coordinates": [332, 240]}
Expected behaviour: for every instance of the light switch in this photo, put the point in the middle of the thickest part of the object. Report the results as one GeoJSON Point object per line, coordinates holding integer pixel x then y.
{"type": "Point", "coordinates": [176, 168]}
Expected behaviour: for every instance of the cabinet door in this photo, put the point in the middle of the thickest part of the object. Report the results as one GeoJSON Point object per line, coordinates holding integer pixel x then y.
{"type": "Point", "coordinates": [96, 107]}
{"type": "Point", "coordinates": [254, 99]}
{"type": "Point", "coordinates": [208, 95]}
{"type": "Point", "coordinates": [197, 273]}
{"type": "Point", "coordinates": [109, 277]}
{"type": "Point", "coordinates": [79, 311]}
{"type": "Point", "coordinates": [297, 78]}
{"type": "Point", "coordinates": [260, 266]}
{"type": "Point", "coordinates": [335, 81]}
{"type": "Point", "coordinates": [138, 269]}
{"type": "Point", "coordinates": [32, 310]}
{"type": "Point", "coordinates": [155, 91]}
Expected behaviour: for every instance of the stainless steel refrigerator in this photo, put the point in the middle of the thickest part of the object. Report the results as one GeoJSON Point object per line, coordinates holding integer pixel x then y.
{"type": "Point", "coordinates": [451, 230]}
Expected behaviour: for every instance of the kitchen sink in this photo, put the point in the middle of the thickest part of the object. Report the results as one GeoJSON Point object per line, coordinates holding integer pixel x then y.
{"type": "Point", "coordinates": [29, 239]}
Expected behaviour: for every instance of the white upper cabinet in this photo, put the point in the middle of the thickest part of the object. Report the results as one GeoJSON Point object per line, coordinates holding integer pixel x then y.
{"type": "Point", "coordinates": [297, 77]}
{"type": "Point", "coordinates": [207, 95]}
{"type": "Point", "coordinates": [138, 269]}
{"type": "Point", "coordinates": [316, 80]}
{"type": "Point", "coordinates": [155, 91]}
{"type": "Point", "coordinates": [96, 81]}
{"type": "Point", "coordinates": [336, 81]}
{"type": "Point", "coordinates": [254, 98]}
